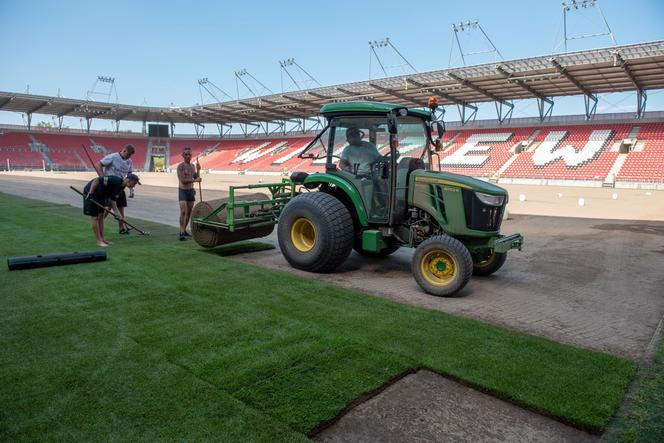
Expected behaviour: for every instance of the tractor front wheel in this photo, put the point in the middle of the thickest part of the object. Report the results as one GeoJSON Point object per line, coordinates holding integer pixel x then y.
{"type": "Point", "coordinates": [442, 265]}
{"type": "Point", "coordinates": [315, 232]}
{"type": "Point", "coordinates": [489, 264]}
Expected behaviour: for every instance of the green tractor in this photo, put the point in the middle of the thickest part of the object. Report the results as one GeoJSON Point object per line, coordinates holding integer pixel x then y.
{"type": "Point", "coordinates": [375, 198]}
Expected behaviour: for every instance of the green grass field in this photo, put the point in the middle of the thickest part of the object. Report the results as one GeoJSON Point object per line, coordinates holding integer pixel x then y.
{"type": "Point", "coordinates": [164, 341]}
{"type": "Point", "coordinates": [642, 417]}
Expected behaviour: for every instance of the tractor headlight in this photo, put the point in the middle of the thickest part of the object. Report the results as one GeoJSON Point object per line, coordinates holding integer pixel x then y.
{"type": "Point", "coordinates": [491, 200]}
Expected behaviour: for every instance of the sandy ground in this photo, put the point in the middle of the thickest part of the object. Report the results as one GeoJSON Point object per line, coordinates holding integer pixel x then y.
{"type": "Point", "coordinates": [425, 407]}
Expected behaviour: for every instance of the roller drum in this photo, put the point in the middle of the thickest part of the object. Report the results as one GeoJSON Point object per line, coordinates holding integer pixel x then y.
{"type": "Point", "coordinates": [209, 236]}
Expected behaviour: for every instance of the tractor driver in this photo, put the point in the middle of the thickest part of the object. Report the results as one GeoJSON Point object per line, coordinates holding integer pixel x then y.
{"type": "Point", "coordinates": [358, 155]}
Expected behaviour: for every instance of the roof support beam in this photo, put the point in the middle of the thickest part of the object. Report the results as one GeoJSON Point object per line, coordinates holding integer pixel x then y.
{"type": "Point", "coordinates": [37, 108]}
{"type": "Point", "coordinates": [262, 114]}
{"type": "Point", "coordinates": [6, 101]}
{"type": "Point", "coordinates": [224, 129]}
{"type": "Point", "coordinates": [218, 112]}
{"type": "Point", "coordinates": [317, 95]}
{"type": "Point", "coordinates": [563, 71]}
{"type": "Point", "coordinates": [124, 115]}
{"type": "Point", "coordinates": [300, 124]}
{"type": "Point", "coordinates": [589, 99]}
{"type": "Point", "coordinates": [280, 127]}
{"type": "Point", "coordinates": [306, 103]}
{"type": "Point", "coordinates": [281, 109]}
{"type": "Point", "coordinates": [351, 94]}
{"type": "Point", "coordinates": [245, 128]}
{"type": "Point", "coordinates": [499, 101]}
{"type": "Point", "coordinates": [509, 77]}
{"type": "Point", "coordinates": [68, 111]}
{"type": "Point", "coordinates": [628, 71]}
{"type": "Point", "coordinates": [211, 117]}
{"type": "Point", "coordinates": [641, 96]}
{"type": "Point", "coordinates": [396, 94]}
{"type": "Point", "coordinates": [272, 114]}
{"type": "Point", "coordinates": [641, 100]}
{"type": "Point", "coordinates": [200, 129]}
{"type": "Point", "coordinates": [444, 95]}
{"type": "Point", "coordinates": [465, 118]}
{"type": "Point", "coordinates": [544, 111]}
{"type": "Point", "coordinates": [184, 115]}
{"type": "Point", "coordinates": [469, 84]}
{"type": "Point", "coordinates": [461, 105]}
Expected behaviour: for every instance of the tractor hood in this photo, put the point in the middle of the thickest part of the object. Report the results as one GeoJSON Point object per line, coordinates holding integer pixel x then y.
{"type": "Point", "coordinates": [462, 181]}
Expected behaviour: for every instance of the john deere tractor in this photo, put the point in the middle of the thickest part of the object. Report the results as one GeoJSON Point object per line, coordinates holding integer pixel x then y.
{"type": "Point", "coordinates": [379, 193]}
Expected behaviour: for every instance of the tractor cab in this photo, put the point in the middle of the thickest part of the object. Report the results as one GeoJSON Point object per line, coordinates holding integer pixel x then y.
{"type": "Point", "coordinates": [374, 147]}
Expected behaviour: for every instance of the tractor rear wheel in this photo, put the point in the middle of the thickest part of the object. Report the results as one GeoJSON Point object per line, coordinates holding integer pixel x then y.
{"type": "Point", "coordinates": [315, 232]}
{"type": "Point", "coordinates": [490, 264]}
{"type": "Point", "coordinates": [442, 265]}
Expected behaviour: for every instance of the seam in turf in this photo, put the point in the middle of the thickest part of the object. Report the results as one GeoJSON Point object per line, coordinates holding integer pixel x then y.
{"type": "Point", "coordinates": [215, 386]}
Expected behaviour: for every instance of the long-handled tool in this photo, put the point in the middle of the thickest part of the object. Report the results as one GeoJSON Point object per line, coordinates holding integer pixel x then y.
{"type": "Point", "coordinates": [198, 170]}
{"type": "Point", "coordinates": [92, 162]}
{"type": "Point", "coordinates": [102, 207]}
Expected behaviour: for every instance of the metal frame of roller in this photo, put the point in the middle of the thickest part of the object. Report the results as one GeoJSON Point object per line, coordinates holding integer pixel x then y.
{"type": "Point", "coordinates": [240, 216]}
{"type": "Point", "coordinates": [452, 221]}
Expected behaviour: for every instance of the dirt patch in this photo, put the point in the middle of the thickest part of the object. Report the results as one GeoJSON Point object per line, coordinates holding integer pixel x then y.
{"type": "Point", "coordinates": [427, 407]}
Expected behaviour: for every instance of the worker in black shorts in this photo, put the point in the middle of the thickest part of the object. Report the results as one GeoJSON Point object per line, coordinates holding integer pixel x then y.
{"type": "Point", "coordinates": [100, 189]}
{"type": "Point", "coordinates": [118, 164]}
{"type": "Point", "coordinates": [188, 174]}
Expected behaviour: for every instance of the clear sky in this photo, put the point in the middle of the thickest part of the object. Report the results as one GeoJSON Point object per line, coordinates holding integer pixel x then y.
{"type": "Point", "coordinates": [157, 50]}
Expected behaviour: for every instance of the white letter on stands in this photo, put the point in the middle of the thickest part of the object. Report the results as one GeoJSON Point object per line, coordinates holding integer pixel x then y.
{"type": "Point", "coordinates": [547, 153]}
{"type": "Point", "coordinates": [460, 157]}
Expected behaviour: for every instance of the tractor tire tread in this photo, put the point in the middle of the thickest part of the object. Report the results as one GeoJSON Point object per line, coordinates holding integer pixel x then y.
{"type": "Point", "coordinates": [462, 254]}
{"type": "Point", "coordinates": [494, 266]}
{"type": "Point", "coordinates": [339, 230]}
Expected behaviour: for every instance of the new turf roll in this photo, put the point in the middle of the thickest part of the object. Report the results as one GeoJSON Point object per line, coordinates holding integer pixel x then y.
{"type": "Point", "coordinates": [43, 260]}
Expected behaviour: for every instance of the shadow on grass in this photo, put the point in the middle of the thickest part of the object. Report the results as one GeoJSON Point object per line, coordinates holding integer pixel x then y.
{"type": "Point", "coordinates": [239, 248]}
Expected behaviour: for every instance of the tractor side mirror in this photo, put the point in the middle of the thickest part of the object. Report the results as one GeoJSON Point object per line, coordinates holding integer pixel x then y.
{"type": "Point", "coordinates": [438, 127]}
{"type": "Point", "coordinates": [392, 123]}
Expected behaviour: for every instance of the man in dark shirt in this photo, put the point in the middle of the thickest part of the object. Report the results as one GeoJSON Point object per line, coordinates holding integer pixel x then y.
{"type": "Point", "coordinates": [100, 189]}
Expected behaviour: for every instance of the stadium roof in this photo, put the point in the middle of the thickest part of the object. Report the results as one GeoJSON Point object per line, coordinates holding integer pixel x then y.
{"type": "Point", "coordinates": [614, 69]}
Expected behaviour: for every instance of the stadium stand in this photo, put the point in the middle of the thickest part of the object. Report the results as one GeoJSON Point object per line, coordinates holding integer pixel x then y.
{"type": "Point", "coordinates": [482, 152]}
{"type": "Point", "coordinates": [591, 154]}
{"type": "Point", "coordinates": [569, 153]}
{"type": "Point", "coordinates": [646, 162]}
{"type": "Point", "coordinates": [18, 151]}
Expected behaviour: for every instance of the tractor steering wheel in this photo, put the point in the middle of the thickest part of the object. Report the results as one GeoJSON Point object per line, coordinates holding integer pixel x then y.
{"type": "Point", "coordinates": [397, 154]}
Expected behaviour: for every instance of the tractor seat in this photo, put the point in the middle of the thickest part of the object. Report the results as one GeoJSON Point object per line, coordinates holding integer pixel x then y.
{"type": "Point", "coordinates": [405, 166]}
{"type": "Point", "coordinates": [408, 165]}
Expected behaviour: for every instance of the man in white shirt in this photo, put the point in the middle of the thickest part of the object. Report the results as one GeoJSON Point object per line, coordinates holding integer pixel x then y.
{"type": "Point", "coordinates": [118, 164]}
